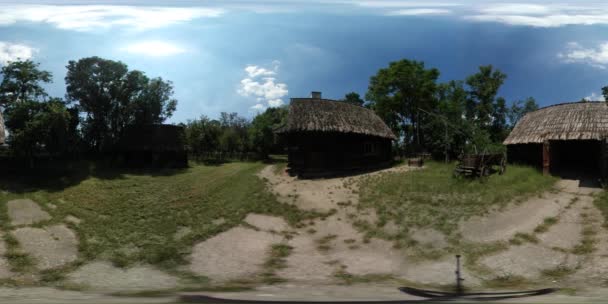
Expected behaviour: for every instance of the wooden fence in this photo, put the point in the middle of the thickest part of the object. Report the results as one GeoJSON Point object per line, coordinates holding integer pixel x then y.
{"type": "Point", "coordinates": [219, 156]}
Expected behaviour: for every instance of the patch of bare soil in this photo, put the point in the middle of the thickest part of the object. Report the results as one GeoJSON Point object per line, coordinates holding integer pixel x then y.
{"type": "Point", "coordinates": [439, 272]}
{"type": "Point", "coordinates": [102, 276]}
{"type": "Point", "coordinates": [266, 222]}
{"type": "Point", "coordinates": [26, 212]}
{"type": "Point", "coordinates": [502, 225]}
{"type": "Point", "coordinates": [52, 247]}
{"type": "Point", "coordinates": [5, 271]}
{"type": "Point", "coordinates": [332, 245]}
{"type": "Point", "coordinates": [236, 253]}
{"type": "Point", "coordinates": [429, 237]}
{"type": "Point", "coordinates": [29, 295]}
{"type": "Point", "coordinates": [527, 261]}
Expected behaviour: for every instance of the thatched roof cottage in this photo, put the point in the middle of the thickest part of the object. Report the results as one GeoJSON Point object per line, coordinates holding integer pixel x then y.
{"type": "Point", "coordinates": [325, 137]}
{"type": "Point", "coordinates": [568, 138]}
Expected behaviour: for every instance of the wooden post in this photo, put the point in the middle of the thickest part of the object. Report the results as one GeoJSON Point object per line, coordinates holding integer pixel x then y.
{"type": "Point", "coordinates": [546, 157]}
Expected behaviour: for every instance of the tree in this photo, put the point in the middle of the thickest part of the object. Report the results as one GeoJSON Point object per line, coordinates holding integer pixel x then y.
{"type": "Point", "coordinates": [39, 127]}
{"type": "Point", "coordinates": [202, 135]}
{"type": "Point", "coordinates": [399, 91]}
{"type": "Point", "coordinates": [22, 81]}
{"type": "Point", "coordinates": [113, 97]}
{"type": "Point", "coordinates": [487, 112]}
{"type": "Point", "coordinates": [261, 132]}
{"type": "Point", "coordinates": [353, 98]}
{"type": "Point", "coordinates": [605, 93]}
{"type": "Point", "coordinates": [446, 129]}
{"type": "Point", "coordinates": [483, 87]}
{"type": "Point", "coordinates": [520, 108]}
{"type": "Point", "coordinates": [35, 124]}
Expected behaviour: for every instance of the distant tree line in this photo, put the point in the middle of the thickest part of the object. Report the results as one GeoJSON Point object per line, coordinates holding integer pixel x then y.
{"type": "Point", "coordinates": [102, 98]}
{"type": "Point", "coordinates": [453, 117]}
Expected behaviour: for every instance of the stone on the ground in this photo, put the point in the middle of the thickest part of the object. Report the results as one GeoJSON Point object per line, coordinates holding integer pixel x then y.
{"type": "Point", "coordinates": [266, 222]}
{"type": "Point", "coordinates": [104, 276]}
{"type": "Point", "coordinates": [429, 237]}
{"type": "Point", "coordinates": [52, 247]}
{"type": "Point", "coordinates": [236, 253]}
{"type": "Point", "coordinates": [72, 219]}
{"type": "Point", "coordinates": [527, 261]}
{"type": "Point", "coordinates": [25, 212]}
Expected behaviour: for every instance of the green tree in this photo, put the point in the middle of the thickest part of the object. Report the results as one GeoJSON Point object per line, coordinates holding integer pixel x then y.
{"type": "Point", "coordinates": [483, 88]}
{"type": "Point", "coordinates": [398, 92]}
{"type": "Point", "coordinates": [353, 98]}
{"type": "Point", "coordinates": [520, 108]}
{"type": "Point", "coordinates": [202, 135]}
{"type": "Point", "coordinates": [487, 112]}
{"type": "Point", "coordinates": [36, 125]}
{"type": "Point", "coordinates": [39, 127]}
{"type": "Point", "coordinates": [261, 132]}
{"type": "Point", "coordinates": [447, 130]}
{"type": "Point", "coordinates": [113, 97]}
{"type": "Point", "coordinates": [22, 81]}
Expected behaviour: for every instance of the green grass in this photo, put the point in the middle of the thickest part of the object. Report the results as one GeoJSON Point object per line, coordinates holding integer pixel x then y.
{"type": "Point", "coordinates": [557, 272]}
{"type": "Point", "coordinates": [601, 202]}
{"type": "Point", "coordinates": [547, 223]}
{"type": "Point", "coordinates": [132, 216]}
{"type": "Point", "coordinates": [432, 197]}
{"type": "Point", "coordinates": [276, 261]}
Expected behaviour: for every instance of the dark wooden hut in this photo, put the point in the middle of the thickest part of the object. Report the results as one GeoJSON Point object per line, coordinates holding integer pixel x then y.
{"type": "Point", "coordinates": [153, 145]}
{"type": "Point", "coordinates": [327, 137]}
{"type": "Point", "coordinates": [563, 139]}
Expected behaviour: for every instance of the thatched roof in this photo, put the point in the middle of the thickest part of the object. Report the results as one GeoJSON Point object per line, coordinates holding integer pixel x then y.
{"type": "Point", "coordinates": [324, 115]}
{"type": "Point", "coordinates": [567, 121]}
{"type": "Point", "coordinates": [2, 139]}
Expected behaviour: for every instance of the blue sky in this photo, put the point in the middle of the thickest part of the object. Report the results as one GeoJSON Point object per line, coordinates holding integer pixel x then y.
{"type": "Point", "coordinates": [243, 56]}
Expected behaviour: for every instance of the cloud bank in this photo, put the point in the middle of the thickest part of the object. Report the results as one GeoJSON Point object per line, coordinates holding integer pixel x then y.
{"type": "Point", "coordinates": [261, 84]}
{"type": "Point", "coordinates": [14, 51]}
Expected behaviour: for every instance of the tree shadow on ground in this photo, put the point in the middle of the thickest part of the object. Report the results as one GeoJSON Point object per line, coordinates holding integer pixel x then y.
{"type": "Point", "coordinates": [57, 175]}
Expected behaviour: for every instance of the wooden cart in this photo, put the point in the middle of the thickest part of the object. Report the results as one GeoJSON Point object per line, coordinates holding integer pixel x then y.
{"type": "Point", "coordinates": [478, 165]}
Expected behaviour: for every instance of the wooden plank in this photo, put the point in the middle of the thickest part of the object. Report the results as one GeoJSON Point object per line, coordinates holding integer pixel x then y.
{"type": "Point", "coordinates": [546, 157]}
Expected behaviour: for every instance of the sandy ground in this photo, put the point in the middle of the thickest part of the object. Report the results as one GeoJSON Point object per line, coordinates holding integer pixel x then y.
{"type": "Point", "coordinates": [325, 250]}
{"type": "Point", "coordinates": [102, 276]}
{"type": "Point", "coordinates": [25, 212]}
{"type": "Point", "coordinates": [51, 247]}
{"type": "Point", "coordinates": [236, 253]}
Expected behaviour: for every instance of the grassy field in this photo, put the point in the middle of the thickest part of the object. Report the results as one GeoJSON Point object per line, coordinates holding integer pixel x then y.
{"type": "Point", "coordinates": [434, 198]}
{"type": "Point", "coordinates": [133, 216]}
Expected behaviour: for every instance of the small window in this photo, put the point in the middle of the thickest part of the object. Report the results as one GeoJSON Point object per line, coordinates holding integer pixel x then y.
{"type": "Point", "coordinates": [369, 148]}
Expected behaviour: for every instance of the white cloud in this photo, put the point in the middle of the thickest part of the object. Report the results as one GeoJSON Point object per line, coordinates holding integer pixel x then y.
{"type": "Point", "coordinates": [89, 17]}
{"type": "Point", "coordinates": [275, 102]}
{"type": "Point", "coordinates": [255, 71]}
{"type": "Point", "coordinates": [595, 97]}
{"type": "Point", "coordinates": [258, 107]}
{"type": "Point", "coordinates": [576, 53]}
{"type": "Point", "coordinates": [154, 48]}
{"type": "Point", "coordinates": [541, 14]}
{"type": "Point", "coordinates": [419, 11]}
{"type": "Point", "coordinates": [13, 51]}
{"type": "Point", "coordinates": [259, 85]}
